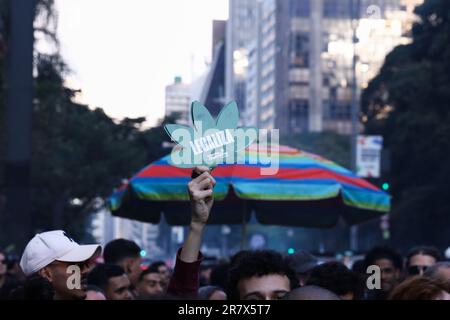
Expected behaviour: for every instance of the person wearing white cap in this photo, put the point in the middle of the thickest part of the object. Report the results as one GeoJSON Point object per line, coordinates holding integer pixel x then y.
{"type": "Point", "coordinates": [61, 261]}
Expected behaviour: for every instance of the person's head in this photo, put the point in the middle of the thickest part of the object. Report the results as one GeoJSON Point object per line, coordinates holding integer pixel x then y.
{"type": "Point", "coordinates": [390, 264]}
{"type": "Point", "coordinates": [419, 259]}
{"type": "Point", "coordinates": [337, 278]}
{"type": "Point", "coordinates": [260, 275]}
{"type": "Point", "coordinates": [162, 268]}
{"type": "Point", "coordinates": [440, 270]}
{"type": "Point", "coordinates": [112, 280]}
{"type": "Point", "coordinates": [61, 261]}
{"type": "Point", "coordinates": [94, 293]}
{"type": "Point", "coordinates": [126, 254]}
{"type": "Point", "coordinates": [211, 293]}
{"type": "Point", "coordinates": [421, 288]}
{"type": "Point", "coordinates": [311, 293]}
{"type": "Point", "coordinates": [151, 284]}
{"type": "Point", "coordinates": [3, 264]}
{"type": "Point", "coordinates": [302, 263]}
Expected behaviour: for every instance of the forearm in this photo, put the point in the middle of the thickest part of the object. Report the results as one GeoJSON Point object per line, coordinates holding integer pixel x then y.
{"type": "Point", "coordinates": [191, 247]}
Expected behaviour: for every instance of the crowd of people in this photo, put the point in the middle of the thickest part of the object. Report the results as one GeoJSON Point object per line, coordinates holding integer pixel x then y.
{"type": "Point", "coordinates": [54, 266]}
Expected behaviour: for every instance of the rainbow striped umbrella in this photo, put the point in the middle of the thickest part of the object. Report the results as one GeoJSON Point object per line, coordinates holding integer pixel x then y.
{"type": "Point", "coordinates": [307, 190]}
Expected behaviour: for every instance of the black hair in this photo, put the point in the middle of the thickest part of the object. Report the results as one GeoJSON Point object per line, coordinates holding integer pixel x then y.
{"type": "Point", "coordinates": [383, 252]}
{"type": "Point", "coordinates": [424, 250]}
{"type": "Point", "coordinates": [100, 275]}
{"type": "Point", "coordinates": [358, 267]}
{"type": "Point", "coordinates": [219, 275]}
{"type": "Point", "coordinates": [147, 271]}
{"type": "Point", "coordinates": [236, 257]}
{"type": "Point", "coordinates": [257, 263]}
{"type": "Point", "coordinates": [119, 249]}
{"type": "Point", "coordinates": [157, 264]}
{"type": "Point", "coordinates": [35, 287]}
{"type": "Point", "coordinates": [337, 278]}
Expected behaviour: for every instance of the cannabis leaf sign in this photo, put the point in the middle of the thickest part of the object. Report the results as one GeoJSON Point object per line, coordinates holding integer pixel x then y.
{"type": "Point", "coordinates": [210, 142]}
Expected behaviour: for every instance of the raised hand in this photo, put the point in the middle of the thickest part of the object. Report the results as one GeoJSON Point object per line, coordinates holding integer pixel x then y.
{"type": "Point", "coordinates": [201, 195]}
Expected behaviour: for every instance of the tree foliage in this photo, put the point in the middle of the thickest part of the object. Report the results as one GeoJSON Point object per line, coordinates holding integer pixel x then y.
{"type": "Point", "coordinates": [77, 153]}
{"type": "Point", "coordinates": [408, 103]}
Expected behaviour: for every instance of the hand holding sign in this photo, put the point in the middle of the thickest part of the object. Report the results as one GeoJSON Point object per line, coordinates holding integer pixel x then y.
{"type": "Point", "coordinates": [201, 195]}
{"type": "Point", "coordinates": [210, 142]}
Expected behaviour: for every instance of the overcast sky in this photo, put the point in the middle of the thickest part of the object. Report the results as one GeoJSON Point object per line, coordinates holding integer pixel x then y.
{"type": "Point", "coordinates": [124, 52]}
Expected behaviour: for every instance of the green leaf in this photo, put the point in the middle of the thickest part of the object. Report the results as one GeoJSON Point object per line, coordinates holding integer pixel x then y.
{"type": "Point", "coordinates": [201, 117]}
{"type": "Point", "coordinates": [228, 117]}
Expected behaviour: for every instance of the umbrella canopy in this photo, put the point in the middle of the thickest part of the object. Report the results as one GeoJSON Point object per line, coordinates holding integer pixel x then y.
{"type": "Point", "coordinates": [307, 190]}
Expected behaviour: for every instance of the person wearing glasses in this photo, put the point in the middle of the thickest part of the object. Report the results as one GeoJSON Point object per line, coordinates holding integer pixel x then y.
{"type": "Point", "coordinates": [419, 259]}
{"type": "Point", "coordinates": [390, 264]}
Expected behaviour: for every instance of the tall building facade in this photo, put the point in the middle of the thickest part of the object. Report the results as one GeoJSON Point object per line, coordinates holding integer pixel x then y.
{"type": "Point", "coordinates": [178, 100]}
{"type": "Point", "coordinates": [241, 31]}
{"type": "Point", "coordinates": [299, 60]}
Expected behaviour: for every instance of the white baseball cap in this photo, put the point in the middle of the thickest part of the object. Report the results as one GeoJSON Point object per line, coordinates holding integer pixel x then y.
{"type": "Point", "coordinates": [50, 246]}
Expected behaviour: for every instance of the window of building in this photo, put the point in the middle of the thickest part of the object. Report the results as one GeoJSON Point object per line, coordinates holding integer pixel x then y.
{"type": "Point", "coordinates": [337, 111]}
{"type": "Point", "coordinates": [337, 8]}
{"type": "Point", "coordinates": [299, 48]}
{"type": "Point", "coordinates": [300, 8]}
{"type": "Point", "coordinates": [298, 115]}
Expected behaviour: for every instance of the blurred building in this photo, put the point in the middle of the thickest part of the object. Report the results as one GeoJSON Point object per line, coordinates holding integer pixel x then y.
{"type": "Point", "coordinates": [291, 61]}
{"type": "Point", "coordinates": [213, 85]}
{"type": "Point", "coordinates": [178, 100]}
{"type": "Point", "coordinates": [106, 227]}
{"type": "Point", "coordinates": [218, 34]}
{"type": "Point", "coordinates": [241, 31]}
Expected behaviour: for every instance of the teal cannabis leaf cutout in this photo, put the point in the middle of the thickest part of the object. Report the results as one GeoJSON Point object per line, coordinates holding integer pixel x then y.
{"type": "Point", "coordinates": [210, 142]}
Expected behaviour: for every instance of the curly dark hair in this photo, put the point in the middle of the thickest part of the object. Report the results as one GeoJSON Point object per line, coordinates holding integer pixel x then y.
{"type": "Point", "coordinates": [337, 278]}
{"type": "Point", "coordinates": [257, 263]}
{"type": "Point", "coordinates": [383, 252]}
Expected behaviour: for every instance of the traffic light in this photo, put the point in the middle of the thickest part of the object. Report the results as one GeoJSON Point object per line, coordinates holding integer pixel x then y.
{"type": "Point", "coordinates": [291, 251]}
{"type": "Point", "coordinates": [385, 186]}
{"type": "Point", "coordinates": [143, 253]}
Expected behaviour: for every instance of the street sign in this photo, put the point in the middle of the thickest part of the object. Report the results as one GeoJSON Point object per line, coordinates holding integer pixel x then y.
{"type": "Point", "coordinates": [368, 156]}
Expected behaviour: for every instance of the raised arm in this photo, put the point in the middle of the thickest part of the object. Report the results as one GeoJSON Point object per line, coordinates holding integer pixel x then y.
{"type": "Point", "coordinates": [185, 279]}
{"type": "Point", "coordinates": [201, 195]}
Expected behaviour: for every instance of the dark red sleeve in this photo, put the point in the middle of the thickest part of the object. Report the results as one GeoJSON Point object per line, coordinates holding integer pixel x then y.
{"type": "Point", "coordinates": [185, 278]}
